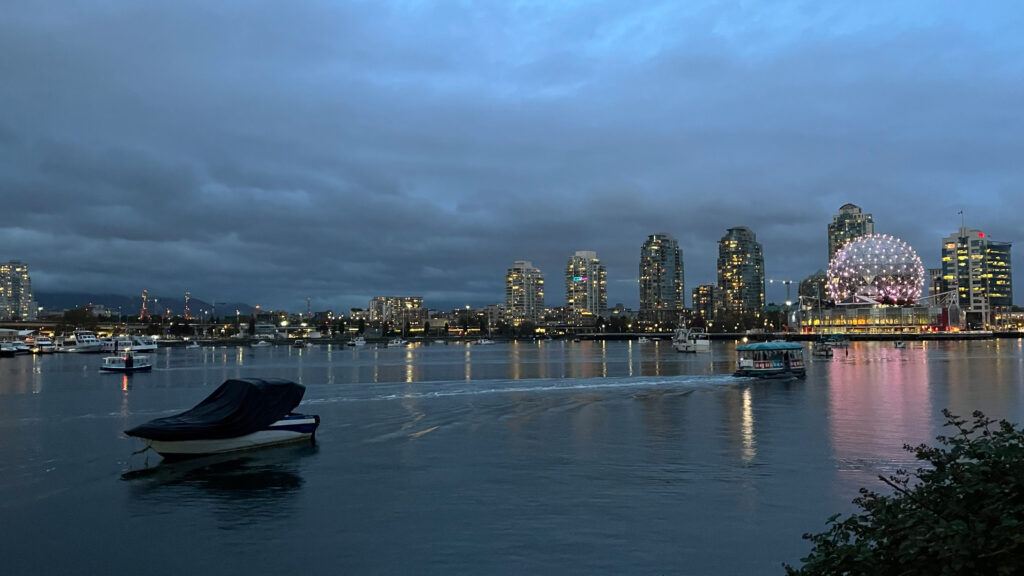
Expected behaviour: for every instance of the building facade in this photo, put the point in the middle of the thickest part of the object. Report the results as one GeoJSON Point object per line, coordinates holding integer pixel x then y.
{"type": "Point", "coordinates": [704, 299]}
{"type": "Point", "coordinates": [661, 280]}
{"type": "Point", "coordinates": [524, 293]}
{"type": "Point", "coordinates": [740, 272]}
{"type": "Point", "coordinates": [851, 222]}
{"type": "Point", "coordinates": [979, 270]}
{"type": "Point", "coordinates": [586, 290]}
{"type": "Point", "coordinates": [16, 299]}
{"type": "Point", "coordinates": [398, 311]}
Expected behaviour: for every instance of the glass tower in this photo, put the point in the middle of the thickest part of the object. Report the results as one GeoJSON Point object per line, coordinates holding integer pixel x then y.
{"type": "Point", "coordinates": [586, 292]}
{"type": "Point", "coordinates": [741, 272]}
{"type": "Point", "coordinates": [979, 270]}
{"type": "Point", "coordinates": [524, 293]}
{"type": "Point", "coordinates": [661, 279]}
{"type": "Point", "coordinates": [850, 223]}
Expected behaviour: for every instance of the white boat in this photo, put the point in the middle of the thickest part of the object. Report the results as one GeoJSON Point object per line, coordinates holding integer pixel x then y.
{"type": "Point", "coordinates": [357, 341]}
{"type": "Point", "coordinates": [643, 340]}
{"type": "Point", "coordinates": [440, 342]}
{"type": "Point", "coordinates": [241, 414]}
{"type": "Point", "coordinates": [485, 341]}
{"type": "Point", "coordinates": [691, 340]}
{"type": "Point", "coordinates": [128, 361]}
{"type": "Point", "coordinates": [397, 342]}
{"type": "Point", "coordinates": [115, 344]}
{"type": "Point", "coordinates": [193, 345]}
{"type": "Point", "coordinates": [21, 347]}
{"type": "Point", "coordinates": [299, 343]}
{"type": "Point", "coordinates": [261, 344]}
{"type": "Point", "coordinates": [900, 344]}
{"type": "Point", "coordinates": [43, 345]}
{"type": "Point", "coordinates": [7, 349]}
{"type": "Point", "coordinates": [771, 360]}
{"type": "Point", "coordinates": [82, 341]}
{"type": "Point", "coordinates": [822, 349]}
{"type": "Point", "coordinates": [143, 343]}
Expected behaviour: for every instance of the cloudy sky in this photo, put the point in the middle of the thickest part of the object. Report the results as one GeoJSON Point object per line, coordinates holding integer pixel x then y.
{"type": "Point", "coordinates": [268, 151]}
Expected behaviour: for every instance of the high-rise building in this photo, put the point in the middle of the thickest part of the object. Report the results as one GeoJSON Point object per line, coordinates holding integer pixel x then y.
{"type": "Point", "coordinates": [980, 271]}
{"type": "Point", "coordinates": [586, 292]}
{"type": "Point", "coordinates": [704, 297]}
{"type": "Point", "coordinates": [661, 279]}
{"type": "Point", "coordinates": [850, 223]}
{"type": "Point", "coordinates": [17, 302]}
{"type": "Point", "coordinates": [741, 272]}
{"type": "Point", "coordinates": [524, 293]}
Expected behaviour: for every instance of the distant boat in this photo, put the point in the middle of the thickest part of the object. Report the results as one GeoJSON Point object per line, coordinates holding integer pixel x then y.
{"type": "Point", "coordinates": [900, 344]}
{"type": "Point", "coordinates": [357, 341]}
{"type": "Point", "coordinates": [691, 340]}
{"type": "Point", "coordinates": [115, 344]}
{"type": "Point", "coordinates": [241, 414]}
{"type": "Point", "coordinates": [397, 342]}
{"type": "Point", "coordinates": [485, 341]}
{"type": "Point", "coordinates": [193, 345]}
{"type": "Point", "coordinates": [643, 340]}
{"type": "Point", "coordinates": [126, 362]}
{"type": "Point", "coordinates": [43, 345]}
{"type": "Point", "coordinates": [822, 349]}
{"type": "Point", "coordinates": [261, 344]}
{"type": "Point", "coordinates": [143, 343]}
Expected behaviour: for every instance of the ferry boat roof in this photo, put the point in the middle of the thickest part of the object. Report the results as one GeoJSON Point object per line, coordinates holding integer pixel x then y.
{"type": "Point", "coordinates": [770, 346]}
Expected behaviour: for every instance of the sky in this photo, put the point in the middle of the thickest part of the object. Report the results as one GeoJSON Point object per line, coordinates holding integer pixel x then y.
{"type": "Point", "coordinates": [268, 152]}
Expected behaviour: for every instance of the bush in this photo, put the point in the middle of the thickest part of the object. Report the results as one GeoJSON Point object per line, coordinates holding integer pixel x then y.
{"type": "Point", "coordinates": [964, 514]}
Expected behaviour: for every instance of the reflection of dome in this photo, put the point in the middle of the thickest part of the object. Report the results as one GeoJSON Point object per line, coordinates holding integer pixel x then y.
{"type": "Point", "coordinates": [879, 267]}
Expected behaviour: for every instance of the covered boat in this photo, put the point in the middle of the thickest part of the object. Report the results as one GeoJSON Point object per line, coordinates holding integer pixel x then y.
{"type": "Point", "coordinates": [127, 361]}
{"type": "Point", "coordinates": [241, 414]}
{"type": "Point", "coordinates": [771, 360]}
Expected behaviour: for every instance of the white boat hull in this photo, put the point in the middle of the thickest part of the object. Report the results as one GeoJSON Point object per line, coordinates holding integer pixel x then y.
{"type": "Point", "coordinates": [283, 431]}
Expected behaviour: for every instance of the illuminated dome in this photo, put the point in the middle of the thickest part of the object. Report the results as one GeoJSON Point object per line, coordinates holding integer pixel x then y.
{"type": "Point", "coordinates": [876, 267]}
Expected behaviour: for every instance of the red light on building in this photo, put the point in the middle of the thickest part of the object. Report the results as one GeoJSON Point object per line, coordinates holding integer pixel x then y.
{"type": "Point", "coordinates": [981, 234]}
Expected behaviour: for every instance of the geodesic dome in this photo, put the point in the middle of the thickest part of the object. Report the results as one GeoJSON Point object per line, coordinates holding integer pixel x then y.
{"type": "Point", "coordinates": [878, 267]}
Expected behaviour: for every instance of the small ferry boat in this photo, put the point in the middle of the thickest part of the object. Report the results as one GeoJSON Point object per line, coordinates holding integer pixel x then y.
{"type": "Point", "coordinates": [771, 360]}
{"type": "Point", "coordinates": [128, 361]}
{"type": "Point", "coordinates": [691, 340]}
{"type": "Point", "coordinates": [241, 414]}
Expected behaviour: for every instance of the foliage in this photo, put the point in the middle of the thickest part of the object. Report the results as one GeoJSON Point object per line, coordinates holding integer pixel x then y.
{"type": "Point", "coordinates": [964, 514]}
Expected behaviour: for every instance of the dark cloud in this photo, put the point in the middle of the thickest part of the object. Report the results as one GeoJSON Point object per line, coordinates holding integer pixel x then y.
{"type": "Point", "coordinates": [268, 153]}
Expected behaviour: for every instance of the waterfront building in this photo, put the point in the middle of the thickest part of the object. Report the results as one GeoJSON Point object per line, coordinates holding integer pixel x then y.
{"type": "Point", "coordinates": [586, 291]}
{"type": "Point", "coordinates": [17, 302]}
{"type": "Point", "coordinates": [661, 280]}
{"type": "Point", "coordinates": [704, 298]}
{"type": "Point", "coordinates": [814, 288]}
{"type": "Point", "coordinates": [936, 285]}
{"type": "Point", "coordinates": [740, 272]}
{"type": "Point", "coordinates": [979, 270]}
{"type": "Point", "coordinates": [848, 224]}
{"type": "Point", "coordinates": [524, 293]}
{"type": "Point", "coordinates": [398, 311]}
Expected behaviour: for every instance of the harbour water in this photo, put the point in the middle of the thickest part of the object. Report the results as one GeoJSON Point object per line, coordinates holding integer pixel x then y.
{"type": "Point", "coordinates": [553, 457]}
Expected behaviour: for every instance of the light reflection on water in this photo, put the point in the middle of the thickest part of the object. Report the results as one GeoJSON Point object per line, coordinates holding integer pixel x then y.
{"type": "Point", "coordinates": [569, 457]}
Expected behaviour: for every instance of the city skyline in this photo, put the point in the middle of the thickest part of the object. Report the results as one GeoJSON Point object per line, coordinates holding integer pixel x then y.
{"type": "Point", "coordinates": [340, 152]}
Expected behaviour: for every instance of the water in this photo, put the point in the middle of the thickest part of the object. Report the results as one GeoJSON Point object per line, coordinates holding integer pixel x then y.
{"type": "Point", "coordinates": [530, 458]}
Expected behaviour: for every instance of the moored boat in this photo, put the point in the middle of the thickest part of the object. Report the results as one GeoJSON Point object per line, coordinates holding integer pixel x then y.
{"type": "Point", "coordinates": [691, 340]}
{"type": "Point", "coordinates": [81, 341]}
{"type": "Point", "coordinates": [127, 361]}
{"type": "Point", "coordinates": [821, 349]}
{"type": "Point", "coordinates": [241, 414]}
{"type": "Point", "coordinates": [43, 345]}
{"type": "Point", "coordinates": [143, 343]}
{"type": "Point", "coordinates": [397, 342]}
{"type": "Point", "coordinates": [357, 341]}
{"type": "Point", "coordinates": [261, 344]}
{"type": "Point", "coordinates": [771, 360]}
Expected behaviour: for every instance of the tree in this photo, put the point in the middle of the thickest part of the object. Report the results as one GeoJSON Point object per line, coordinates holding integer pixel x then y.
{"type": "Point", "coordinates": [964, 514]}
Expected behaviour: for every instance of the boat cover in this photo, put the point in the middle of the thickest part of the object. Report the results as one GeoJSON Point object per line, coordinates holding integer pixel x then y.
{"type": "Point", "coordinates": [238, 407]}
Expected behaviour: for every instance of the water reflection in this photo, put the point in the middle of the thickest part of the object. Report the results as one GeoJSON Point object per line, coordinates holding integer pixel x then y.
{"type": "Point", "coordinates": [241, 488]}
{"type": "Point", "coordinates": [879, 399]}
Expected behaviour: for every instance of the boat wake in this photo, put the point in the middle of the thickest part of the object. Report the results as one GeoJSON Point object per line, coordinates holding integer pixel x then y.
{"type": "Point", "coordinates": [428, 390]}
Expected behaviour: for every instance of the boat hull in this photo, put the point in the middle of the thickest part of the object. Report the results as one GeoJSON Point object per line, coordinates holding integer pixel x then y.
{"type": "Point", "coordinates": [750, 373]}
{"type": "Point", "coordinates": [293, 428]}
{"type": "Point", "coordinates": [136, 368]}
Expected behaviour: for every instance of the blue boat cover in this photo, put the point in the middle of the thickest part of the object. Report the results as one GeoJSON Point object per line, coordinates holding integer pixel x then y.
{"type": "Point", "coordinates": [238, 407]}
{"type": "Point", "coordinates": [776, 345]}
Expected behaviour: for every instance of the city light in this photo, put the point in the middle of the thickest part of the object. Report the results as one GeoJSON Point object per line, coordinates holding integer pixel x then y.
{"type": "Point", "coordinates": [878, 267]}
